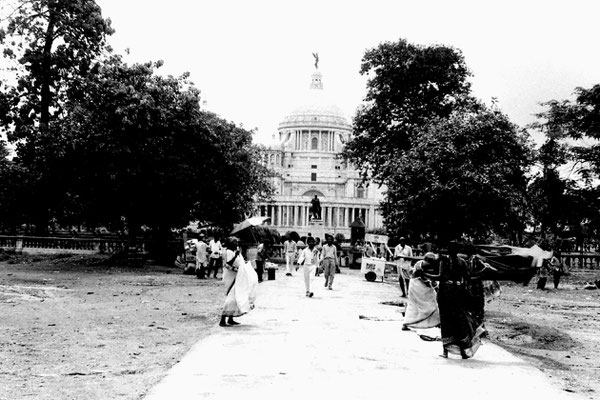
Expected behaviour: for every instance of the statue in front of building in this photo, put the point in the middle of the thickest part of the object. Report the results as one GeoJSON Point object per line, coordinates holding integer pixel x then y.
{"type": "Point", "coordinates": [316, 56]}
{"type": "Point", "coordinates": [315, 208]}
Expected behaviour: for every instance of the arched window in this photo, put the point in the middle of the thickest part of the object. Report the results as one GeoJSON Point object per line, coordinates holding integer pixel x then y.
{"type": "Point", "coordinates": [360, 191]}
{"type": "Point", "coordinates": [314, 144]}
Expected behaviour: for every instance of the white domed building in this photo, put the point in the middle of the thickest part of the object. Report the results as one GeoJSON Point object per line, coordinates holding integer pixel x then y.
{"type": "Point", "coordinates": [306, 163]}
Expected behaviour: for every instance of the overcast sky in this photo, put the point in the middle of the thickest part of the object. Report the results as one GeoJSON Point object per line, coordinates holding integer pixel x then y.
{"type": "Point", "coordinates": [250, 57]}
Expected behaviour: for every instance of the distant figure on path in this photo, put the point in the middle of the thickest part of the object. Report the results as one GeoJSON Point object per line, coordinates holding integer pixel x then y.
{"type": "Point", "coordinates": [329, 261]}
{"type": "Point", "coordinates": [263, 254]}
{"type": "Point", "coordinates": [289, 249]}
{"type": "Point", "coordinates": [309, 257]}
{"type": "Point", "coordinates": [201, 257]}
{"type": "Point", "coordinates": [215, 261]}
{"type": "Point", "coordinates": [557, 268]}
{"type": "Point", "coordinates": [403, 250]}
{"type": "Point", "coordinates": [543, 273]}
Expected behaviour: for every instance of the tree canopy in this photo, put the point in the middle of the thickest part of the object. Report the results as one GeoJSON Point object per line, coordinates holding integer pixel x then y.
{"type": "Point", "coordinates": [572, 130]}
{"type": "Point", "coordinates": [56, 43]}
{"type": "Point", "coordinates": [98, 139]}
{"type": "Point", "coordinates": [450, 165]}
{"type": "Point", "coordinates": [53, 45]}
{"type": "Point", "coordinates": [464, 174]}
{"type": "Point", "coordinates": [408, 85]}
{"type": "Point", "coordinates": [136, 144]}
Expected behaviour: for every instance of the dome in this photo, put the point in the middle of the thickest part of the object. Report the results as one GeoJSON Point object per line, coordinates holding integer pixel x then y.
{"type": "Point", "coordinates": [315, 109]}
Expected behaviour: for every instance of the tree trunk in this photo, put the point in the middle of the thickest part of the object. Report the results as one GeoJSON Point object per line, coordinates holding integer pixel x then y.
{"type": "Point", "coordinates": [162, 252]}
{"type": "Point", "coordinates": [45, 95]}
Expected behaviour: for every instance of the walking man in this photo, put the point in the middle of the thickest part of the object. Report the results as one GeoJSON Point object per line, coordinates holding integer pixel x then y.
{"type": "Point", "coordinates": [329, 261]}
{"type": "Point", "coordinates": [403, 250]}
{"type": "Point", "coordinates": [289, 248]}
{"type": "Point", "coordinates": [308, 259]}
{"type": "Point", "coordinates": [201, 258]}
{"type": "Point", "coordinates": [215, 261]}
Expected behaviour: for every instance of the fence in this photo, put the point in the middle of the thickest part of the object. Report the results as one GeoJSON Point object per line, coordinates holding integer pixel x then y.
{"type": "Point", "coordinates": [581, 260]}
{"type": "Point", "coordinates": [53, 245]}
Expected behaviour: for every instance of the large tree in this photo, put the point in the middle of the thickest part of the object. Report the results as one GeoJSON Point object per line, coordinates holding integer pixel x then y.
{"type": "Point", "coordinates": [408, 85]}
{"type": "Point", "coordinates": [572, 130]}
{"type": "Point", "coordinates": [578, 120]}
{"type": "Point", "coordinates": [450, 165]}
{"type": "Point", "coordinates": [53, 44]}
{"type": "Point", "coordinates": [461, 175]}
{"type": "Point", "coordinates": [137, 145]}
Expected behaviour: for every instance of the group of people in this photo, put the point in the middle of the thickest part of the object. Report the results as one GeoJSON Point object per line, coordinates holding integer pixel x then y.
{"type": "Point", "coordinates": [552, 266]}
{"type": "Point", "coordinates": [209, 254]}
{"type": "Point", "coordinates": [313, 258]}
{"type": "Point", "coordinates": [444, 290]}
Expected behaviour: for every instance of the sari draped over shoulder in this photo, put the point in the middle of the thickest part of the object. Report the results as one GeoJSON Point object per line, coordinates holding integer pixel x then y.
{"type": "Point", "coordinates": [241, 282]}
{"type": "Point", "coordinates": [422, 309]}
{"type": "Point", "coordinates": [461, 318]}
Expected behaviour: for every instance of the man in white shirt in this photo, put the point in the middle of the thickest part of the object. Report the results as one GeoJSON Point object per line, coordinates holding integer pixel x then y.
{"type": "Point", "coordinates": [215, 260]}
{"type": "Point", "coordinates": [403, 250]}
{"type": "Point", "coordinates": [289, 249]}
{"type": "Point", "coordinates": [201, 258]}
{"type": "Point", "coordinates": [309, 257]}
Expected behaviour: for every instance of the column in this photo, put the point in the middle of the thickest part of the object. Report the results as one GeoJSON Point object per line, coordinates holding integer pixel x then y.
{"type": "Point", "coordinates": [305, 215]}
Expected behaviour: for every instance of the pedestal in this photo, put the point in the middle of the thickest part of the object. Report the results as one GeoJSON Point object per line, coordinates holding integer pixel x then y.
{"type": "Point", "coordinates": [317, 229]}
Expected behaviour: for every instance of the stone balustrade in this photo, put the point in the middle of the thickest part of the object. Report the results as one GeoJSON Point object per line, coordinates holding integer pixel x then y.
{"type": "Point", "coordinates": [581, 260]}
{"type": "Point", "coordinates": [54, 245]}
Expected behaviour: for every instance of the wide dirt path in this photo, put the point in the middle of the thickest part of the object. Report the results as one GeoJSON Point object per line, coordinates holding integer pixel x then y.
{"type": "Point", "coordinates": [345, 343]}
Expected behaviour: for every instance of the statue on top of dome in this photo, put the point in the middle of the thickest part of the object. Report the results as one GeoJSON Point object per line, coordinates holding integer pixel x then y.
{"type": "Point", "coordinates": [316, 56]}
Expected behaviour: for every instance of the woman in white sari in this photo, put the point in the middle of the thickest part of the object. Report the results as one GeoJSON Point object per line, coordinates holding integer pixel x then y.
{"type": "Point", "coordinates": [422, 309]}
{"type": "Point", "coordinates": [240, 281]}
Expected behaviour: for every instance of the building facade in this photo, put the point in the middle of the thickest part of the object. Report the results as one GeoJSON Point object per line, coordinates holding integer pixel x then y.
{"type": "Point", "coordinates": [305, 161]}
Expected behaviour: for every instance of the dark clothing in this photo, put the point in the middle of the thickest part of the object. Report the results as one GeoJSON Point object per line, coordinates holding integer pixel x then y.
{"type": "Point", "coordinates": [213, 265]}
{"type": "Point", "coordinates": [461, 328]}
{"type": "Point", "coordinates": [403, 283]}
{"type": "Point", "coordinates": [260, 269]}
{"type": "Point", "coordinates": [556, 278]}
{"type": "Point", "coordinates": [262, 255]}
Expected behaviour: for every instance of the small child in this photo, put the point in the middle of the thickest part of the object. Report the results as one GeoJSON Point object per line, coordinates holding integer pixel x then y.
{"type": "Point", "coordinates": [308, 259]}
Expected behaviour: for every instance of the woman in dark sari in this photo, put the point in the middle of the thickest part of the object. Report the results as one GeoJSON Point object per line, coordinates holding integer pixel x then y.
{"type": "Point", "coordinates": [461, 329]}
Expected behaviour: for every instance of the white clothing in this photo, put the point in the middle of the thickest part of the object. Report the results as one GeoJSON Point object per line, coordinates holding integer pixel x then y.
{"type": "Point", "coordinates": [201, 258]}
{"type": "Point", "coordinates": [308, 259]}
{"type": "Point", "coordinates": [241, 283]}
{"type": "Point", "coordinates": [215, 248]}
{"type": "Point", "coordinates": [289, 248]}
{"type": "Point", "coordinates": [403, 264]}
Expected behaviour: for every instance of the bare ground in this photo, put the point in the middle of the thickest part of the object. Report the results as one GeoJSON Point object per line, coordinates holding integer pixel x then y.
{"type": "Point", "coordinates": [557, 330]}
{"type": "Point", "coordinates": [75, 330]}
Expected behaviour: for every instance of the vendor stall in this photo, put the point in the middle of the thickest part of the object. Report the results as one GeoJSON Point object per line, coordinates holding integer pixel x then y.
{"type": "Point", "coordinates": [374, 265]}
